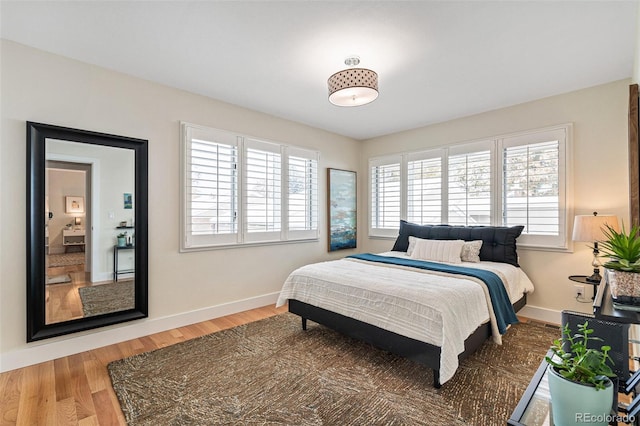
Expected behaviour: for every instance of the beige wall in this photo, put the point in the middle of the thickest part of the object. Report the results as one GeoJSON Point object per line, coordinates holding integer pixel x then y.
{"type": "Point", "coordinates": [42, 87]}
{"type": "Point", "coordinates": [600, 172]}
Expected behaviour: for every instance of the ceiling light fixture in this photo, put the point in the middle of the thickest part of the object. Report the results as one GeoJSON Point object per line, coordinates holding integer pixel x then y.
{"type": "Point", "coordinates": [353, 86]}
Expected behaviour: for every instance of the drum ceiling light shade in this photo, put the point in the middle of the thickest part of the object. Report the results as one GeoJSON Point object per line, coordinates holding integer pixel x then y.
{"type": "Point", "coordinates": [353, 86]}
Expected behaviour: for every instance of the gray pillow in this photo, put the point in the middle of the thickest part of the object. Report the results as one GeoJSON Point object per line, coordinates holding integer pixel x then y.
{"type": "Point", "coordinates": [471, 251]}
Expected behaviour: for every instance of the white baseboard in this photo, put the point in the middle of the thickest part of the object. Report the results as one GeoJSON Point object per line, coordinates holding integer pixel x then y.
{"type": "Point", "coordinates": [540, 314]}
{"type": "Point", "coordinates": [42, 351]}
{"type": "Point", "coordinates": [102, 277]}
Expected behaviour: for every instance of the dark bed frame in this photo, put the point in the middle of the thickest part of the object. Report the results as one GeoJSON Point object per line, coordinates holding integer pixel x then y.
{"type": "Point", "coordinates": [415, 350]}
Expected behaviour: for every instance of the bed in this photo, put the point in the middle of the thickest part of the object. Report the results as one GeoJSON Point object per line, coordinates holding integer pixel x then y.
{"type": "Point", "coordinates": [415, 303]}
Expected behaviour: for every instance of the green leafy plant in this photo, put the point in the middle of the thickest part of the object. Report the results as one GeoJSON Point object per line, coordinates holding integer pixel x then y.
{"type": "Point", "coordinates": [122, 235]}
{"type": "Point", "coordinates": [623, 248]}
{"type": "Point", "coordinates": [581, 364]}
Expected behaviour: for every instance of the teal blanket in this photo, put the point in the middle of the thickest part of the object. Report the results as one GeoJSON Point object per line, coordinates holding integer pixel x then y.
{"type": "Point", "coordinates": [500, 302]}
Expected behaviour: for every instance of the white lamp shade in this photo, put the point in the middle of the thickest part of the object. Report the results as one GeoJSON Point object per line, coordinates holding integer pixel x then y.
{"type": "Point", "coordinates": [589, 228]}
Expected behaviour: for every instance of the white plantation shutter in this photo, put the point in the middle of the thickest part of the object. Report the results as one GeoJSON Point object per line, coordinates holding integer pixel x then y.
{"type": "Point", "coordinates": [210, 210]}
{"type": "Point", "coordinates": [239, 190]}
{"type": "Point", "coordinates": [519, 179]}
{"type": "Point", "coordinates": [302, 202]}
{"type": "Point", "coordinates": [534, 186]}
{"type": "Point", "coordinates": [469, 184]}
{"type": "Point", "coordinates": [385, 180]}
{"type": "Point", "coordinates": [424, 189]}
{"type": "Point", "coordinates": [263, 191]}
{"type": "Point", "coordinates": [531, 187]}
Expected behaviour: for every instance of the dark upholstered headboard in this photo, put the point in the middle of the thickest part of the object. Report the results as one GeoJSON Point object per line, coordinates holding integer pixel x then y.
{"type": "Point", "coordinates": [498, 242]}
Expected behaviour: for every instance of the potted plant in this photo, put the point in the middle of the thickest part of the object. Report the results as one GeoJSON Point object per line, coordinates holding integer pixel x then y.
{"type": "Point", "coordinates": [623, 269]}
{"type": "Point", "coordinates": [122, 239]}
{"type": "Point", "coordinates": [581, 391]}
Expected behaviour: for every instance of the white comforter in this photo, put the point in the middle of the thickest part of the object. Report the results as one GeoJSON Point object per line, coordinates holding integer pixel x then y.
{"type": "Point", "coordinates": [436, 309]}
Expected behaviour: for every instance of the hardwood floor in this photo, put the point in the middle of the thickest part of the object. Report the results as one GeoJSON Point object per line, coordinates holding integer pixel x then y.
{"type": "Point", "coordinates": [76, 390]}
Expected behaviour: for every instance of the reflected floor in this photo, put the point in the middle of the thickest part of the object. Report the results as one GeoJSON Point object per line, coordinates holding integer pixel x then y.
{"type": "Point", "coordinates": [62, 299]}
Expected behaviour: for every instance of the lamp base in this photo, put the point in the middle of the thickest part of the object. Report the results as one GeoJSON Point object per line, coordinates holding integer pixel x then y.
{"type": "Point", "coordinates": [596, 277]}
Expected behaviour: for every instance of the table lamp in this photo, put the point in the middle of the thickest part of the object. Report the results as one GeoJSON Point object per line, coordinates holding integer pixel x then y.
{"type": "Point", "coordinates": [589, 228]}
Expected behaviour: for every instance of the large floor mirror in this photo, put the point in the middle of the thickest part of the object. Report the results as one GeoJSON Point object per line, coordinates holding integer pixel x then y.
{"type": "Point", "coordinates": [86, 230]}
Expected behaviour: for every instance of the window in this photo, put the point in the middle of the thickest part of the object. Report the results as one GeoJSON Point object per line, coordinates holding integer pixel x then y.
{"type": "Point", "coordinates": [239, 190]}
{"type": "Point", "coordinates": [263, 191]}
{"type": "Point", "coordinates": [302, 195]}
{"type": "Point", "coordinates": [469, 182]}
{"type": "Point", "coordinates": [424, 189]}
{"type": "Point", "coordinates": [534, 186]}
{"type": "Point", "coordinates": [519, 179]}
{"type": "Point", "coordinates": [385, 196]}
{"type": "Point", "coordinates": [211, 187]}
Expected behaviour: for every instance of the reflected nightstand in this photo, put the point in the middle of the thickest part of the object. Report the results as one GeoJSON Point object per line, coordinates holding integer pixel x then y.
{"type": "Point", "coordinates": [117, 271]}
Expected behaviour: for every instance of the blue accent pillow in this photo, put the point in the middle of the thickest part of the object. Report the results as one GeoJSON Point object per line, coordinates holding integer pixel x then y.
{"type": "Point", "coordinates": [498, 242]}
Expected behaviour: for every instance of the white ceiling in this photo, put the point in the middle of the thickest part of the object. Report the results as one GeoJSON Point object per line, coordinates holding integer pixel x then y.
{"type": "Point", "coordinates": [436, 60]}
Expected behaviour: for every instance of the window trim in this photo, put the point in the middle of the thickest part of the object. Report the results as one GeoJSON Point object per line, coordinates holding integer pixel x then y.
{"type": "Point", "coordinates": [497, 144]}
{"type": "Point", "coordinates": [240, 237]}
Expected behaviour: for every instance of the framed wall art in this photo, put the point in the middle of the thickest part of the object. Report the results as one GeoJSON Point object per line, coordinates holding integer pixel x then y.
{"type": "Point", "coordinates": [342, 209]}
{"type": "Point", "coordinates": [74, 204]}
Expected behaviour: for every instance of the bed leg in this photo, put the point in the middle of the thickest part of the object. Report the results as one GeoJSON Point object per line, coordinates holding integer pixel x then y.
{"type": "Point", "coordinates": [304, 323]}
{"type": "Point", "coordinates": [436, 379]}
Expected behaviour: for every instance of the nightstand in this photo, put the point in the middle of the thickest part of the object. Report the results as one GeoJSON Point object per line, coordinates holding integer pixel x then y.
{"type": "Point", "coordinates": [582, 279]}
{"type": "Point", "coordinates": [73, 238]}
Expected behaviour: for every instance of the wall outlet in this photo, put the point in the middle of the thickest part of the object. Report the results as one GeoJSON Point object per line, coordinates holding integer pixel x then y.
{"type": "Point", "coordinates": [578, 291]}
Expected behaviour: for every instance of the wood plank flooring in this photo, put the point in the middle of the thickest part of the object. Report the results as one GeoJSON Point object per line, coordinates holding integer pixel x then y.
{"type": "Point", "coordinates": [76, 390]}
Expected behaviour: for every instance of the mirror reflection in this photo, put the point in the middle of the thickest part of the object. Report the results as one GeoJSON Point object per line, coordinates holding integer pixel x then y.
{"type": "Point", "coordinates": [89, 222]}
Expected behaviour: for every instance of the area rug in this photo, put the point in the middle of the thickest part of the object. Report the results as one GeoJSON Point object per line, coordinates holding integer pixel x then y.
{"type": "Point", "coordinates": [65, 259]}
{"type": "Point", "coordinates": [272, 372]}
{"type": "Point", "coordinates": [105, 298]}
{"type": "Point", "coordinates": [59, 279]}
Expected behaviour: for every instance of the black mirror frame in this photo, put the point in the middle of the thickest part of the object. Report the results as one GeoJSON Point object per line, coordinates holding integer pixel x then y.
{"type": "Point", "coordinates": [37, 133]}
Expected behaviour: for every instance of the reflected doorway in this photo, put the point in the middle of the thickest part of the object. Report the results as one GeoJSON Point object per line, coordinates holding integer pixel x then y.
{"type": "Point", "coordinates": [67, 238]}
